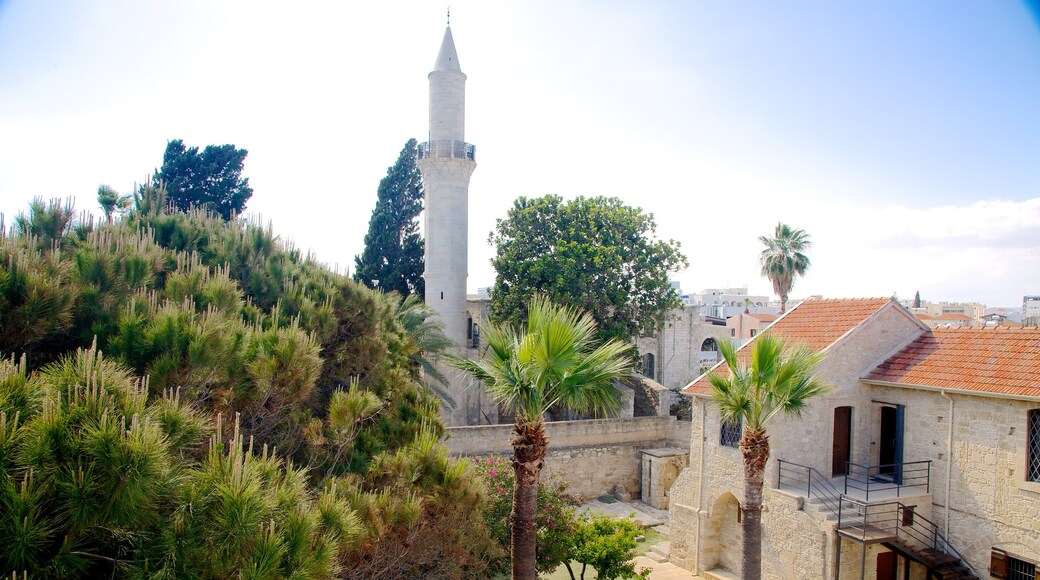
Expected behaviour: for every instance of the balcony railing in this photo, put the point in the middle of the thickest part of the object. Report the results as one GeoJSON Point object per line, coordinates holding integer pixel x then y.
{"type": "Point", "coordinates": [874, 479]}
{"type": "Point", "coordinates": [447, 150]}
{"type": "Point", "coordinates": [895, 524]}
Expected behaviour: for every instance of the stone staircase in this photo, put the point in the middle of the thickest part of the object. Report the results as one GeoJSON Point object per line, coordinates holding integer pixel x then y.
{"type": "Point", "coordinates": [942, 565]}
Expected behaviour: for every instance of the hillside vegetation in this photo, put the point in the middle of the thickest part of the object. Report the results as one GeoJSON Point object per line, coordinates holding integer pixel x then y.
{"type": "Point", "coordinates": [184, 396]}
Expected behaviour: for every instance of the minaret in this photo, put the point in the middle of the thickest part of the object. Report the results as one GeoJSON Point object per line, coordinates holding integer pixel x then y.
{"type": "Point", "coordinates": [446, 162]}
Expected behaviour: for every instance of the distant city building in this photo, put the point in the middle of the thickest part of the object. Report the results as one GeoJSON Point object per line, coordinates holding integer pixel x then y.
{"type": "Point", "coordinates": [743, 327]}
{"type": "Point", "coordinates": [726, 302]}
{"type": "Point", "coordinates": [1031, 310]}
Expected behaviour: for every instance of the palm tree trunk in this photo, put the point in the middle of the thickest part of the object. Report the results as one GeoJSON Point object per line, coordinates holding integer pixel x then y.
{"type": "Point", "coordinates": [754, 446]}
{"type": "Point", "coordinates": [783, 302]}
{"type": "Point", "coordinates": [529, 444]}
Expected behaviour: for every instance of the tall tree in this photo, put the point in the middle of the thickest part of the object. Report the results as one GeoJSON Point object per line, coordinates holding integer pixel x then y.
{"type": "Point", "coordinates": [917, 299]}
{"type": "Point", "coordinates": [553, 363]}
{"type": "Point", "coordinates": [393, 255]}
{"type": "Point", "coordinates": [593, 253]}
{"type": "Point", "coordinates": [784, 258]}
{"type": "Point", "coordinates": [211, 179]}
{"type": "Point", "coordinates": [779, 380]}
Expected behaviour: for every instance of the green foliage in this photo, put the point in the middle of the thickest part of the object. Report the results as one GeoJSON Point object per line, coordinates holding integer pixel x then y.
{"type": "Point", "coordinates": [593, 253]}
{"type": "Point", "coordinates": [554, 362]}
{"type": "Point", "coordinates": [784, 258]}
{"type": "Point", "coordinates": [427, 515]}
{"type": "Point", "coordinates": [426, 340]}
{"type": "Point", "coordinates": [112, 202]}
{"type": "Point", "coordinates": [393, 255]}
{"type": "Point", "coordinates": [223, 319]}
{"type": "Point", "coordinates": [608, 545]}
{"type": "Point", "coordinates": [778, 380]}
{"type": "Point", "coordinates": [557, 518]}
{"type": "Point", "coordinates": [211, 179]}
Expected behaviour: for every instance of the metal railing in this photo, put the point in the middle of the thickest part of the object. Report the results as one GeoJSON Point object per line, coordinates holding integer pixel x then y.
{"type": "Point", "coordinates": [894, 521]}
{"type": "Point", "coordinates": [898, 476]}
{"type": "Point", "coordinates": [447, 149]}
{"type": "Point", "coordinates": [809, 480]}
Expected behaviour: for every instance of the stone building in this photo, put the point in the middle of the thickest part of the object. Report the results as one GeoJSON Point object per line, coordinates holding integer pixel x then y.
{"type": "Point", "coordinates": [678, 353]}
{"type": "Point", "coordinates": [925, 457]}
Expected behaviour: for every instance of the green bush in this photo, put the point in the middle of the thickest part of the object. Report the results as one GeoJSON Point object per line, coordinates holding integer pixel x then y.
{"type": "Point", "coordinates": [607, 544]}
{"type": "Point", "coordinates": [557, 519]}
{"type": "Point", "coordinates": [104, 460]}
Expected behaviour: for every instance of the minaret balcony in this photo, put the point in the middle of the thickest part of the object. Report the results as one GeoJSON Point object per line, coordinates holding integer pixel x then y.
{"type": "Point", "coordinates": [447, 150]}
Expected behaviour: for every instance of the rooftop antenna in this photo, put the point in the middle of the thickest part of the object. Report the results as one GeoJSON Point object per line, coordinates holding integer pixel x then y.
{"type": "Point", "coordinates": [449, 15]}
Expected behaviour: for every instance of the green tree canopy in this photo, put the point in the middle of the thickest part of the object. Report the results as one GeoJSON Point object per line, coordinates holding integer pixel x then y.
{"type": "Point", "coordinates": [202, 320]}
{"type": "Point", "coordinates": [211, 179]}
{"type": "Point", "coordinates": [393, 255]}
{"type": "Point", "coordinates": [593, 253]}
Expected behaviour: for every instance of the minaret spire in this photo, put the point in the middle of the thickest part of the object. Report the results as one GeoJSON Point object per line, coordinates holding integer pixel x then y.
{"type": "Point", "coordinates": [446, 162]}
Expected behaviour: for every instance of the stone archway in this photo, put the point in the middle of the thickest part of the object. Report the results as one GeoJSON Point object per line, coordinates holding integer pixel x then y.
{"type": "Point", "coordinates": [723, 544]}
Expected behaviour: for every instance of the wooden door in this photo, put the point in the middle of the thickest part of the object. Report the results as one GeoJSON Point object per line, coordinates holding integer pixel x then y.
{"type": "Point", "coordinates": [886, 566]}
{"type": "Point", "coordinates": [842, 443]}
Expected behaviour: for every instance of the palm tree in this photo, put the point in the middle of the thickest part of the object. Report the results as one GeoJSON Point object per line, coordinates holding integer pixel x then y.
{"type": "Point", "coordinates": [110, 201]}
{"type": "Point", "coordinates": [778, 380]}
{"type": "Point", "coordinates": [553, 363]}
{"type": "Point", "coordinates": [427, 343]}
{"type": "Point", "coordinates": [784, 258]}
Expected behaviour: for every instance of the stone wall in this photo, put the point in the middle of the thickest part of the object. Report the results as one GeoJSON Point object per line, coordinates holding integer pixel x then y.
{"type": "Point", "coordinates": [652, 399]}
{"type": "Point", "coordinates": [593, 457]}
{"type": "Point", "coordinates": [991, 504]}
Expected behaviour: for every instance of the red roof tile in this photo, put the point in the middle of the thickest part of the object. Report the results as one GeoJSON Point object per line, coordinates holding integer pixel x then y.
{"type": "Point", "coordinates": [816, 322]}
{"type": "Point", "coordinates": [764, 317]}
{"type": "Point", "coordinates": [994, 359]}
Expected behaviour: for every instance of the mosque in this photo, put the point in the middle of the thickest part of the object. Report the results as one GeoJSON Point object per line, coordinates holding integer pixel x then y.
{"type": "Point", "coordinates": [673, 357]}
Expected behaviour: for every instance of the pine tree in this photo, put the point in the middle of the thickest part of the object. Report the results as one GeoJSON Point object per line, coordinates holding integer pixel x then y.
{"type": "Point", "coordinates": [393, 256]}
{"type": "Point", "coordinates": [917, 299]}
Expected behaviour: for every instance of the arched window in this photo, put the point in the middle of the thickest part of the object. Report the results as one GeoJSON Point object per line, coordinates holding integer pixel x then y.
{"type": "Point", "coordinates": [709, 345]}
{"type": "Point", "coordinates": [648, 365]}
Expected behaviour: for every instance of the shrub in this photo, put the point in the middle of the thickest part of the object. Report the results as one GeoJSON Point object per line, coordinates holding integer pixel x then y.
{"type": "Point", "coordinates": [557, 518]}
{"type": "Point", "coordinates": [608, 545]}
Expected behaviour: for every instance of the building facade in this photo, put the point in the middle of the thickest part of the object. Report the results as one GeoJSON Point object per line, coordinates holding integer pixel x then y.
{"type": "Point", "coordinates": [931, 463]}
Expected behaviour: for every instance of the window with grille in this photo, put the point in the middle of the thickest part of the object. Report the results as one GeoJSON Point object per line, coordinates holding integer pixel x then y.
{"type": "Point", "coordinates": [729, 433]}
{"type": "Point", "coordinates": [1033, 446]}
{"type": "Point", "coordinates": [1005, 566]}
{"type": "Point", "coordinates": [1020, 569]}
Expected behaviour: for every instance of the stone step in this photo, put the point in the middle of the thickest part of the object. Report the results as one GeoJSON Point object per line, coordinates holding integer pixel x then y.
{"type": "Point", "coordinates": [662, 549]}
{"type": "Point", "coordinates": [718, 574]}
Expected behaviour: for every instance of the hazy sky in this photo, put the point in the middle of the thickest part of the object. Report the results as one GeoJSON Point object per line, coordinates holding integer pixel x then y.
{"type": "Point", "coordinates": [903, 136]}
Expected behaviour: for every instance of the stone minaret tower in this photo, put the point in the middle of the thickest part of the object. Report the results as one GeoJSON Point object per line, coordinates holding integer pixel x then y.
{"type": "Point", "coordinates": [446, 162]}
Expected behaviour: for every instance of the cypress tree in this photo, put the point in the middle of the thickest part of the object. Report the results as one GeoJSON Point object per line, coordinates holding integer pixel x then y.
{"type": "Point", "coordinates": [393, 255]}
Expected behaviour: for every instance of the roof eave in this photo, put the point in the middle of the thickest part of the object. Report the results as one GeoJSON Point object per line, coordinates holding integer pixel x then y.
{"type": "Point", "coordinates": [953, 390]}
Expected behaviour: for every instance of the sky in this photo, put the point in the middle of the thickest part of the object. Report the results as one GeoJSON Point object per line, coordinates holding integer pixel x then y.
{"type": "Point", "coordinates": [904, 137]}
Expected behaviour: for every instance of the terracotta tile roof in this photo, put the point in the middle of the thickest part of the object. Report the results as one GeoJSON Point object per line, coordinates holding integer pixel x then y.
{"type": "Point", "coordinates": [994, 359]}
{"type": "Point", "coordinates": [764, 317]}
{"type": "Point", "coordinates": [816, 322]}
{"type": "Point", "coordinates": [924, 316]}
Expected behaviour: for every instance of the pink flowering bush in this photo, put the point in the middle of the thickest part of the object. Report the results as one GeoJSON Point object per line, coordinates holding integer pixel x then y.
{"type": "Point", "coordinates": [557, 520]}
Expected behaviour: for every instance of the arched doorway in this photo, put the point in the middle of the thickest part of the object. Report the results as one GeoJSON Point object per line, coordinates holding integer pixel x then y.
{"type": "Point", "coordinates": [648, 365]}
{"type": "Point", "coordinates": [723, 547]}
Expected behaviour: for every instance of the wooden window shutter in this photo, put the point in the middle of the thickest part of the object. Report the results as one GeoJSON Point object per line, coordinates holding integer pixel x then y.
{"type": "Point", "coordinates": [998, 564]}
